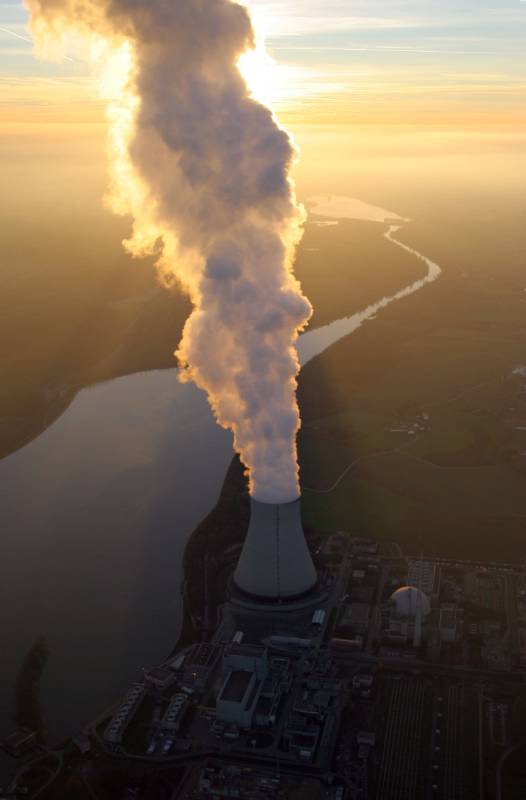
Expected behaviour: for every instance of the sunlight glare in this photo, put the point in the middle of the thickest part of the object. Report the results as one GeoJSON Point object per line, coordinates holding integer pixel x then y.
{"type": "Point", "coordinates": [261, 74]}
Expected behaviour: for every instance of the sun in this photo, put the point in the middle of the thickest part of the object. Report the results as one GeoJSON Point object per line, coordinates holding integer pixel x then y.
{"type": "Point", "coordinates": [260, 73]}
{"type": "Point", "coordinates": [276, 84]}
{"type": "Point", "coordinates": [268, 80]}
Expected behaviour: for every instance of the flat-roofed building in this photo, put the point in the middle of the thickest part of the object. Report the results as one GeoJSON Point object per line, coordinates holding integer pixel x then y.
{"type": "Point", "coordinates": [173, 716]}
{"type": "Point", "coordinates": [160, 677]}
{"type": "Point", "coordinates": [302, 735]}
{"type": "Point", "coordinates": [200, 663]}
{"type": "Point", "coordinates": [356, 617]}
{"type": "Point", "coordinates": [252, 657]}
{"type": "Point", "coordinates": [238, 697]}
{"type": "Point", "coordinates": [424, 575]}
{"type": "Point", "coordinates": [361, 593]}
{"type": "Point", "coordinates": [449, 621]}
{"type": "Point", "coordinates": [362, 545]}
{"type": "Point", "coordinates": [315, 702]}
{"type": "Point", "coordinates": [115, 729]}
{"type": "Point", "coordinates": [277, 681]}
{"type": "Point", "coordinates": [341, 646]}
{"type": "Point", "coordinates": [246, 675]}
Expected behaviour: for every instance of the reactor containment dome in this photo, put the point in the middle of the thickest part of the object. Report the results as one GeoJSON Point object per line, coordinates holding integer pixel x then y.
{"type": "Point", "coordinates": [407, 601]}
{"type": "Point", "coordinates": [275, 563]}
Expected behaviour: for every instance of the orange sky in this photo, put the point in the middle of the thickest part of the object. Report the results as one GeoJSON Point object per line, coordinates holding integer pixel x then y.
{"type": "Point", "coordinates": [438, 62]}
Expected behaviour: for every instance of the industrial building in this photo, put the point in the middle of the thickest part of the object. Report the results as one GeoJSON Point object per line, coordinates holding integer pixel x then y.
{"type": "Point", "coordinates": [315, 706]}
{"type": "Point", "coordinates": [425, 575]}
{"type": "Point", "coordinates": [252, 687]}
{"type": "Point", "coordinates": [245, 667]}
{"type": "Point", "coordinates": [173, 716]}
{"type": "Point", "coordinates": [199, 665]}
{"type": "Point", "coordinates": [320, 681]}
{"type": "Point", "coordinates": [117, 725]}
{"type": "Point", "coordinates": [449, 622]}
{"type": "Point", "coordinates": [355, 617]}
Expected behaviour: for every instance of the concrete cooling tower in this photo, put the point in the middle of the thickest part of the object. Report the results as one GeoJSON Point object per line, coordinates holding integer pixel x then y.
{"type": "Point", "coordinates": [275, 562]}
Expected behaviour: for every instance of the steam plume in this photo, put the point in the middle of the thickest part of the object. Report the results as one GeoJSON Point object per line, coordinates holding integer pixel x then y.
{"type": "Point", "coordinates": [203, 169]}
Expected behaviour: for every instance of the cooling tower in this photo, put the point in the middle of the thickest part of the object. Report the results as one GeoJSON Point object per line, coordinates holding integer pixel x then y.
{"type": "Point", "coordinates": [275, 562]}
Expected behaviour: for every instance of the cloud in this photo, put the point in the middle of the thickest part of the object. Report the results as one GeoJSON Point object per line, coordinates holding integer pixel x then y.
{"type": "Point", "coordinates": [204, 170]}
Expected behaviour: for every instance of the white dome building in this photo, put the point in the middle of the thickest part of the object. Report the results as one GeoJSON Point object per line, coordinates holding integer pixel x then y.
{"type": "Point", "coordinates": [407, 601]}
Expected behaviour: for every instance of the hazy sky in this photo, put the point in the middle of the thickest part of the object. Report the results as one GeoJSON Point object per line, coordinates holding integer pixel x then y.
{"type": "Point", "coordinates": [331, 59]}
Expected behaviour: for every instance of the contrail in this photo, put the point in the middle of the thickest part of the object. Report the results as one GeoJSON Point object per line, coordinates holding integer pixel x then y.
{"type": "Point", "coordinates": [24, 38]}
{"type": "Point", "coordinates": [204, 170]}
{"type": "Point", "coordinates": [16, 35]}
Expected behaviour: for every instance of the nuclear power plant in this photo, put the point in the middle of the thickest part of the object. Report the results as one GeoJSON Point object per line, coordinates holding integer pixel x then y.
{"type": "Point", "coordinates": [275, 564]}
{"type": "Point", "coordinates": [331, 681]}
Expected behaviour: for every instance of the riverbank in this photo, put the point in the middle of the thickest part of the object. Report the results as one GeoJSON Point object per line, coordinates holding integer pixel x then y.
{"type": "Point", "coordinates": [216, 539]}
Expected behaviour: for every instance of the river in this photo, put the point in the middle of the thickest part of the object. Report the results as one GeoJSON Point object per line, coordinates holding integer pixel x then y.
{"type": "Point", "coordinates": [96, 512]}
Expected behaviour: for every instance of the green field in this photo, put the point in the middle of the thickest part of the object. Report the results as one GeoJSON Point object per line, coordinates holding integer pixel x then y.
{"type": "Point", "coordinates": [437, 368]}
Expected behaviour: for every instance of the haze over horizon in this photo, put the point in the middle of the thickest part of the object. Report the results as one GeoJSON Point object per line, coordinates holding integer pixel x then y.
{"type": "Point", "coordinates": [376, 60]}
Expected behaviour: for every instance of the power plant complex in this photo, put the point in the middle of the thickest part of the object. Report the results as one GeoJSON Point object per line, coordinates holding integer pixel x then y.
{"type": "Point", "coordinates": [335, 683]}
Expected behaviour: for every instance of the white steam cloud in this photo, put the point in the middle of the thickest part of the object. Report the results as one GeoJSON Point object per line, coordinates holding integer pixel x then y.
{"type": "Point", "coordinates": [203, 168]}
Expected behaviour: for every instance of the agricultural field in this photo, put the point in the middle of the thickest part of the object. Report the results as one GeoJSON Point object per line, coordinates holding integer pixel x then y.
{"type": "Point", "coordinates": [413, 426]}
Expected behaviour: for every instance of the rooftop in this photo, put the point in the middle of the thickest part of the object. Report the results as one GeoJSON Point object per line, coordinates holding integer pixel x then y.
{"type": "Point", "coordinates": [356, 614]}
{"type": "Point", "coordinates": [236, 685]}
{"type": "Point", "coordinates": [247, 650]}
